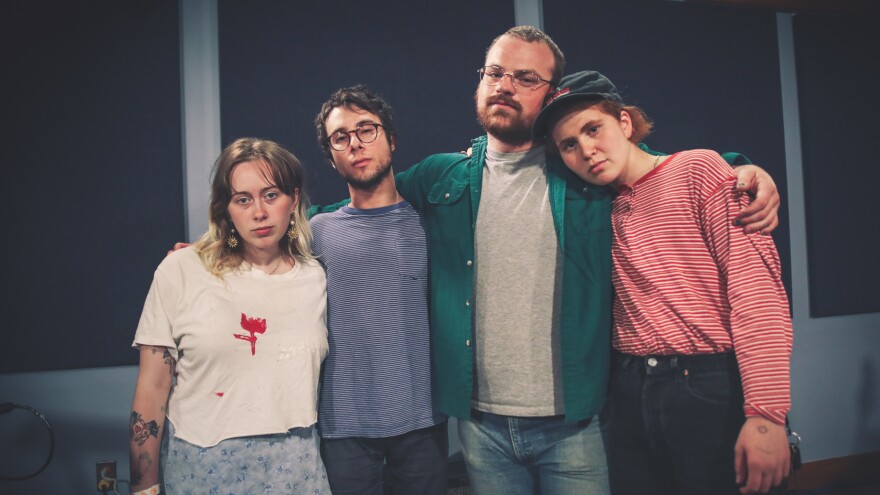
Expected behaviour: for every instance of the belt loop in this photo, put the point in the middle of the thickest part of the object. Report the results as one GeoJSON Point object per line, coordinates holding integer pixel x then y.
{"type": "Point", "coordinates": [673, 362]}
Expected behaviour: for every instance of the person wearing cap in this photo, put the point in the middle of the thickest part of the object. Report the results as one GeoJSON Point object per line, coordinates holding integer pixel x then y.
{"type": "Point", "coordinates": [520, 285]}
{"type": "Point", "coordinates": [702, 333]}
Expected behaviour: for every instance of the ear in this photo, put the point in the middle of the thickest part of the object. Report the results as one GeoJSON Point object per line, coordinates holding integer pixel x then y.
{"type": "Point", "coordinates": [393, 143]}
{"type": "Point", "coordinates": [626, 124]}
{"type": "Point", "coordinates": [295, 202]}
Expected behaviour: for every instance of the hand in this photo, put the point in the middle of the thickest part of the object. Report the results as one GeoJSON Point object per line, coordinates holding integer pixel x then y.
{"type": "Point", "coordinates": [178, 245]}
{"type": "Point", "coordinates": [761, 456]}
{"type": "Point", "coordinates": [468, 152]}
{"type": "Point", "coordinates": [762, 214]}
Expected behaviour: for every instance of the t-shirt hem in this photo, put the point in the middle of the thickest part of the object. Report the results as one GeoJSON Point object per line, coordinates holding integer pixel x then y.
{"type": "Point", "coordinates": [272, 430]}
{"type": "Point", "coordinates": [342, 433]}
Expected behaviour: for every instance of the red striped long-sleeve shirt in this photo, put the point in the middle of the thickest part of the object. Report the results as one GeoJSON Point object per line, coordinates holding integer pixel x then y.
{"type": "Point", "coordinates": [689, 282]}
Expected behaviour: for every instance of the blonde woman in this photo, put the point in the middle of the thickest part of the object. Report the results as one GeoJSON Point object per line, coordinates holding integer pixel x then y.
{"type": "Point", "coordinates": [231, 341]}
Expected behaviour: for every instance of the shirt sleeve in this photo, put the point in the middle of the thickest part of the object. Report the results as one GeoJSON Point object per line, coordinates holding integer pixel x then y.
{"type": "Point", "coordinates": [408, 185]}
{"type": "Point", "coordinates": [760, 321]}
{"type": "Point", "coordinates": [155, 325]}
{"type": "Point", "coordinates": [318, 209]}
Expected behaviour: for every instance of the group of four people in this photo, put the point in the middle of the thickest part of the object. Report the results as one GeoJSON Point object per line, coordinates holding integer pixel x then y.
{"type": "Point", "coordinates": [500, 317]}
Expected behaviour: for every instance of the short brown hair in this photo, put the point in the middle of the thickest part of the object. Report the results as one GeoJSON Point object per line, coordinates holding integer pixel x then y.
{"type": "Point", "coordinates": [532, 34]}
{"type": "Point", "coordinates": [355, 96]}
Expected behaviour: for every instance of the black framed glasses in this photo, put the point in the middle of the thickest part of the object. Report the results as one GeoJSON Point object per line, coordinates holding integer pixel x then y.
{"type": "Point", "coordinates": [366, 133]}
{"type": "Point", "coordinates": [527, 79]}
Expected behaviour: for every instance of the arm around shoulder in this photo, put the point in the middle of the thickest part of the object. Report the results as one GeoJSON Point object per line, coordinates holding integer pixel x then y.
{"type": "Point", "coordinates": [416, 182]}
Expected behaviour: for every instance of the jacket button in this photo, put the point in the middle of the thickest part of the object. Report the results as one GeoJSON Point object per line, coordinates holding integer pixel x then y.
{"type": "Point", "coordinates": [467, 302]}
{"type": "Point", "coordinates": [446, 195]}
{"type": "Point", "coordinates": [467, 342]}
{"type": "Point", "coordinates": [469, 262]}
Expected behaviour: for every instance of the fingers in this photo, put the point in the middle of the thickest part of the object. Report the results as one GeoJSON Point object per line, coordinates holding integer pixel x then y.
{"type": "Point", "coordinates": [739, 463]}
{"type": "Point", "coordinates": [771, 226]}
{"type": "Point", "coordinates": [762, 215]}
{"type": "Point", "coordinates": [778, 476]}
{"type": "Point", "coordinates": [759, 481]}
{"type": "Point", "coordinates": [745, 177]}
{"type": "Point", "coordinates": [177, 245]}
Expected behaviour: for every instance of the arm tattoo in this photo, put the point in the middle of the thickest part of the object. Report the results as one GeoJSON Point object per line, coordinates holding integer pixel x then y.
{"type": "Point", "coordinates": [143, 463]}
{"type": "Point", "coordinates": [140, 431]}
{"type": "Point", "coordinates": [169, 360]}
{"type": "Point", "coordinates": [166, 357]}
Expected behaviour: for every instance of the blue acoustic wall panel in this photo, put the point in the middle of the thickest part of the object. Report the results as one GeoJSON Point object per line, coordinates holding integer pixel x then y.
{"type": "Point", "coordinates": [707, 75]}
{"type": "Point", "coordinates": [279, 61]}
{"type": "Point", "coordinates": [91, 175]}
{"type": "Point", "coordinates": [838, 81]}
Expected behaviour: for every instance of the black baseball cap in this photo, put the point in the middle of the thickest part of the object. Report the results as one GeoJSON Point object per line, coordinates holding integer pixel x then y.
{"type": "Point", "coordinates": [583, 85]}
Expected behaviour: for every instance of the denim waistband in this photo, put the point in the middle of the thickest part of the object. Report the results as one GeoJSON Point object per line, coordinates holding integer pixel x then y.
{"type": "Point", "coordinates": [480, 416]}
{"type": "Point", "coordinates": [654, 365]}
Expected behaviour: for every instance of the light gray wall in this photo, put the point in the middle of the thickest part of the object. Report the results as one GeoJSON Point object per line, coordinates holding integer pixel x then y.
{"type": "Point", "coordinates": [88, 409]}
{"type": "Point", "coordinates": [200, 94]}
{"type": "Point", "coordinates": [835, 367]}
{"type": "Point", "coordinates": [835, 364]}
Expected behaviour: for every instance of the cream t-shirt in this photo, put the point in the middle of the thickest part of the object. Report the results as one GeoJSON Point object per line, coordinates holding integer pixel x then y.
{"type": "Point", "coordinates": [249, 346]}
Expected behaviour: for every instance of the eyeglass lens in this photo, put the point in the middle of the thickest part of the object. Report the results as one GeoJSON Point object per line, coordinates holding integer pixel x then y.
{"type": "Point", "coordinates": [523, 78]}
{"type": "Point", "coordinates": [366, 133]}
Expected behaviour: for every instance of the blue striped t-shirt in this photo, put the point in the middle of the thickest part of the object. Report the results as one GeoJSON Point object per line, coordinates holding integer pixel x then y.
{"type": "Point", "coordinates": [377, 376]}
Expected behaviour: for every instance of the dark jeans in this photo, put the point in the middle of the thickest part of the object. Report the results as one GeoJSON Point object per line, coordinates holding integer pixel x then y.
{"type": "Point", "coordinates": [416, 462]}
{"type": "Point", "coordinates": [673, 424]}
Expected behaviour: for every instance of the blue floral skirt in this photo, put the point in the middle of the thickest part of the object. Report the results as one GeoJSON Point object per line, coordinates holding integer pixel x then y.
{"type": "Point", "coordinates": [287, 463]}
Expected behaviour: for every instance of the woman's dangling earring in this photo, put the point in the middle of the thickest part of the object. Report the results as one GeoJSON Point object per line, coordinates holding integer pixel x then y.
{"type": "Point", "coordinates": [232, 241]}
{"type": "Point", "coordinates": [292, 234]}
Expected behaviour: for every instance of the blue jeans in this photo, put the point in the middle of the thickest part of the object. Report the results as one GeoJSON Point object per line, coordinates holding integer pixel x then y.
{"type": "Point", "coordinates": [414, 462]}
{"type": "Point", "coordinates": [673, 424]}
{"type": "Point", "coordinates": [545, 455]}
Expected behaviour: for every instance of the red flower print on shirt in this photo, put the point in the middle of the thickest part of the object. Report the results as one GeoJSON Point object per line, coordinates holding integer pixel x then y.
{"type": "Point", "coordinates": [252, 326]}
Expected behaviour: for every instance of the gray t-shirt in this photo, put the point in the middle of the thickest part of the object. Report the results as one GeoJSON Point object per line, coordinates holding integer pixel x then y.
{"type": "Point", "coordinates": [517, 288]}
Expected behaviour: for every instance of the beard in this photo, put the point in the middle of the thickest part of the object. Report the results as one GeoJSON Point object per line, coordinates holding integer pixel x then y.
{"type": "Point", "coordinates": [511, 129]}
{"type": "Point", "coordinates": [369, 180]}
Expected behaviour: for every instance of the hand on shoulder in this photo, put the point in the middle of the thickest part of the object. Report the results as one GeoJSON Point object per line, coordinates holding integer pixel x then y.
{"type": "Point", "coordinates": [762, 215]}
{"type": "Point", "coordinates": [177, 246]}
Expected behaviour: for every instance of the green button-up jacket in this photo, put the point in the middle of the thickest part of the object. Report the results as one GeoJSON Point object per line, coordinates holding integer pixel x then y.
{"type": "Point", "coordinates": [446, 190]}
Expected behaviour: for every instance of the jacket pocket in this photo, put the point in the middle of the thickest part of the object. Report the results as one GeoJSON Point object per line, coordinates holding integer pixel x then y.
{"type": "Point", "coordinates": [446, 192]}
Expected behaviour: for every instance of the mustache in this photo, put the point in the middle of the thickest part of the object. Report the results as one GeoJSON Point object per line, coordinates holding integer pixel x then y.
{"type": "Point", "coordinates": [507, 100]}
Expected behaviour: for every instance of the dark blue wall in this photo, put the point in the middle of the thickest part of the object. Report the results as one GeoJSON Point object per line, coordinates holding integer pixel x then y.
{"type": "Point", "coordinates": [838, 82]}
{"type": "Point", "coordinates": [279, 61]}
{"type": "Point", "coordinates": [707, 75]}
{"type": "Point", "coordinates": [91, 173]}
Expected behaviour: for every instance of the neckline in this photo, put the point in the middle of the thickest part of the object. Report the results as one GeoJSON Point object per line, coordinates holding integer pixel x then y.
{"type": "Point", "coordinates": [351, 210]}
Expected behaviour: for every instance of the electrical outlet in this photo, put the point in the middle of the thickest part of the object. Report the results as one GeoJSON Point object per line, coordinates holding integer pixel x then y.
{"type": "Point", "coordinates": [103, 471]}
